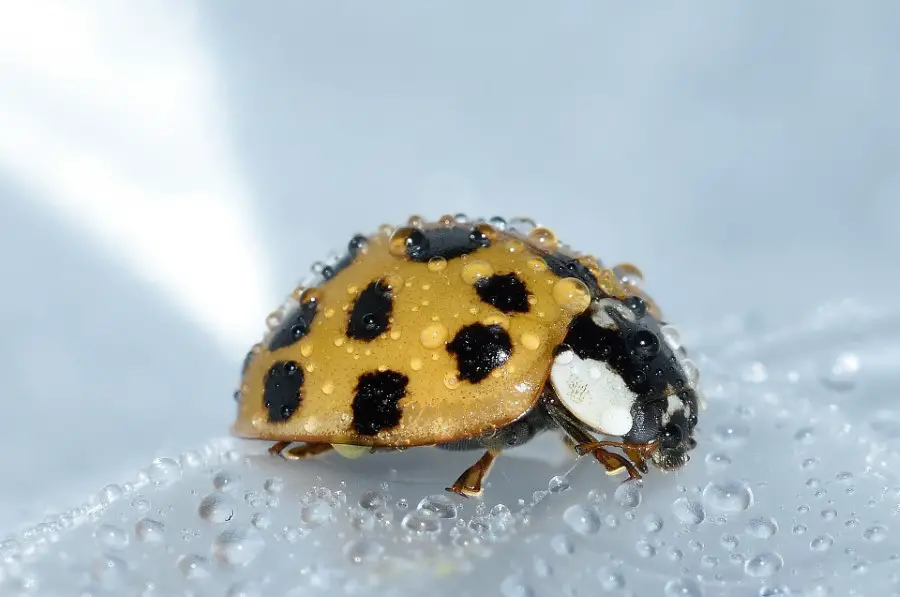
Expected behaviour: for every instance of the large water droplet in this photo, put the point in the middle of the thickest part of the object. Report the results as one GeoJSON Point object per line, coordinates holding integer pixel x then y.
{"type": "Point", "coordinates": [876, 533]}
{"type": "Point", "coordinates": [440, 506]}
{"type": "Point", "coordinates": [718, 461]}
{"type": "Point", "coordinates": [688, 511]}
{"type": "Point", "coordinates": [193, 566]}
{"type": "Point", "coordinates": [164, 471]}
{"type": "Point", "coordinates": [728, 496]}
{"type": "Point", "coordinates": [842, 373]}
{"type": "Point", "coordinates": [361, 551]}
{"type": "Point", "coordinates": [558, 484]}
{"type": "Point", "coordinates": [243, 588]}
{"type": "Point", "coordinates": [217, 507]}
{"type": "Point", "coordinates": [762, 527]}
{"type": "Point", "coordinates": [683, 587]}
{"type": "Point", "coordinates": [421, 523]}
{"type": "Point", "coordinates": [107, 535]}
{"type": "Point", "coordinates": [238, 547]}
{"type": "Point", "coordinates": [584, 521]}
{"type": "Point", "coordinates": [628, 494]}
{"type": "Point", "coordinates": [316, 513]}
{"type": "Point", "coordinates": [372, 499]}
{"type": "Point", "coordinates": [821, 543]}
{"type": "Point", "coordinates": [764, 564]}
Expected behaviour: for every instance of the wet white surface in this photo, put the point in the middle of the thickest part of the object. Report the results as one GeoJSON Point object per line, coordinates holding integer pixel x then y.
{"type": "Point", "coordinates": [162, 187]}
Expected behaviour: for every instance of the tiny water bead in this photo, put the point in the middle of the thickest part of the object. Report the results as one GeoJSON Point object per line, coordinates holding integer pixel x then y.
{"type": "Point", "coordinates": [764, 564]}
{"type": "Point", "coordinates": [582, 520]}
{"type": "Point", "coordinates": [683, 587]}
{"type": "Point", "coordinates": [821, 543]}
{"type": "Point", "coordinates": [193, 566]}
{"type": "Point", "coordinates": [217, 507]}
{"type": "Point", "coordinates": [558, 484]}
{"type": "Point", "coordinates": [362, 551]}
{"type": "Point", "coordinates": [149, 530]}
{"type": "Point", "coordinates": [421, 523]}
{"type": "Point", "coordinates": [515, 586]}
{"type": "Point", "coordinates": [372, 499]}
{"type": "Point", "coordinates": [653, 523]}
{"type": "Point", "coordinates": [223, 481]}
{"type": "Point", "coordinates": [317, 513]}
{"type": "Point", "coordinates": [610, 580]}
{"type": "Point", "coordinates": [562, 545]}
{"type": "Point", "coordinates": [438, 505]}
{"type": "Point", "coordinates": [628, 494]}
{"type": "Point", "coordinates": [876, 534]}
{"type": "Point", "coordinates": [718, 461]}
{"type": "Point", "coordinates": [842, 373]}
{"type": "Point", "coordinates": [688, 511]}
{"type": "Point", "coordinates": [734, 434]}
{"type": "Point", "coordinates": [728, 496]}
{"type": "Point", "coordinates": [111, 537]}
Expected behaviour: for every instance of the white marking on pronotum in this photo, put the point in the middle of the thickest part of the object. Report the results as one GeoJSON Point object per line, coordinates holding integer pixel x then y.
{"type": "Point", "coordinates": [594, 393]}
{"type": "Point", "coordinates": [602, 318]}
{"type": "Point", "coordinates": [673, 405]}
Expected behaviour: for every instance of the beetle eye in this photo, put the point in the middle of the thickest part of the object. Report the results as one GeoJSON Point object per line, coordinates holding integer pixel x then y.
{"type": "Point", "coordinates": [671, 434]}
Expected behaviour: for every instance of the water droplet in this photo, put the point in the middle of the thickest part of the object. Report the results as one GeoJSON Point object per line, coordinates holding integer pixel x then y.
{"type": "Point", "coordinates": [809, 463]}
{"type": "Point", "coordinates": [628, 494]}
{"type": "Point", "coordinates": [683, 587]}
{"type": "Point", "coordinates": [671, 335]}
{"type": "Point", "coordinates": [610, 580]}
{"type": "Point", "coordinates": [583, 521]}
{"type": "Point", "coordinates": [531, 341]}
{"type": "Point", "coordinates": [438, 505]}
{"type": "Point", "coordinates": [149, 530]}
{"type": "Point", "coordinates": [653, 523]}
{"type": "Point", "coordinates": [762, 527]}
{"type": "Point", "coordinates": [728, 496]}
{"type": "Point", "coordinates": [316, 513]}
{"type": "Point", "coordinates": [108, 570]}
{"type": "Point", "coordinates": [238, 547]}
{"type": "Point", "coordinates": [729, 542]}
{"type": "Point", "coordinates": [273, 485]}
{"type": "Point", "coordinates": [829, 514]}
{"type": "Point", "coordinates": [362, 551]}
{"type": "Point", "coordinates": [572, 295]}
{"type": "Point", "coordinates": [841, 375]}
{"type": "Point", "coordinates": [562, 545]}
{"type": "Point", "coordinates": [164, 471]}
{"type": "Point", "coordinates": [107, 535]}
{"type": "Point", "coordinates": [217, 507]}
{"type": "Point", "coordinates": [421, 522]}
{"type": "Point", "coordinates": [764, 564]}
{"type": "Point", "coordinates": [755, 373]}
{"type": "Point", "coordinates": [628, 274]}
{"type": "Point", "coordinates": [876, 533]}
{"type": "Point", "coordinates": [109, 494]}
{"type": "Point", "coordinates": [434, 335]}
{"type": "Point", "coordinates": [522, 225]}
{"type": "Point", "coordinates": [688, 511]}
{"type": "Point", "coordinates": [437, 264]}
{"type": "Point", "coordinates": [718, 461]}
{"type": "Point", "coordinates": [193, 566]}
{"type": "Point", "coordinates": [476, 270]}
{"type": "Point", "coordinates": [799, 529]}
{"type": "Point", "coordinates": [644, 548]}
{"type": "Point", "coordinates": [544, 238]}
{"type": "Point", "coordinates": [558, 484]}
{"type": "Point", "coordinates": [514, 586]}
{"type": "Point", "coordinates": [821, 543]}
{"type": "Point", "coordinates": [805, 435]}
{"type": "Point", "coordinates": [733, 434]}
{"type": "Point", "coordinates": [243, 588]}
{"type": "Point", "coordinates": [223, 481]}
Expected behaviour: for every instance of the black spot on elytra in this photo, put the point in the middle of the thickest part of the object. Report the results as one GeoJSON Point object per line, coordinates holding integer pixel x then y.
{"type": "Point", "coordinates": [282, 390]}
{"type": "Point", "coordinates": [295, 326]}
{"type": "Point", "coordinates": [353, 248]}
{"type": "Point", "coordinates": [567, 267]}
{"type": "Point", "coordinates": [375, 403]}
{"type": "Point", "coordinates": [371, 313]}
{"type": "Point", "coordinates": [449, 243]}
{"type": "Point", "coordinates": [479, 349]}
{"type": "Point", "coordinates": [505, 292]}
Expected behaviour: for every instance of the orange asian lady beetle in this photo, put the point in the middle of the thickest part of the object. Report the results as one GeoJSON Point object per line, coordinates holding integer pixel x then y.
{"type": "Point", "coordinates": [471, 335]}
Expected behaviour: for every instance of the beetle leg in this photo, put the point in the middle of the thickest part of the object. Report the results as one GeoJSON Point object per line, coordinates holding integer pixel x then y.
{"type": "Point", "coordinates": [299, 452]}
{"type": "Point", "coordinates": [469, 483]}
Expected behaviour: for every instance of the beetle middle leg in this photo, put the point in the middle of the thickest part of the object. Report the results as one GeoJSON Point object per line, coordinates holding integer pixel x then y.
{"type": "Point", "coordinates": [469, 484]}
{"type": "Point", "coordinates": [299, 452]}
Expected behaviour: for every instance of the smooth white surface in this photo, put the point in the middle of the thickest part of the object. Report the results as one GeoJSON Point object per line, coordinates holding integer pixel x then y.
{"type": "Point", "coordinates": [168, 170]}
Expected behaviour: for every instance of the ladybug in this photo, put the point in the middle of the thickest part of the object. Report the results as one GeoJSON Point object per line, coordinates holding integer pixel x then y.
{"type": "Point", "coordinates": [471, 335]}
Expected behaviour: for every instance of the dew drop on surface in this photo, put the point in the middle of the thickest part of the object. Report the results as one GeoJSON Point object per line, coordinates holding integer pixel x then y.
{"type": "Point", "coordinates": [437, 264]}
{"type": "Point", "coordinates": [799, 529]}
{"type": "Point", "coordinates": [438, 505]}
{"type": "Point", "coordinates": [728, 496]}
{"type": "Point", "coordinates": [109, 494]}
{"type": "Point", "coordinates": [653, 524]}
{"type": "Point", "coordinates": [628, 494]}
{"type": "Point", "coordinates": [821, 543]}
{"type": "Point", "coordinates": [109, 570]}
{"type": "Point", "coordinates": [683, 587]}
{"type": "Point", "coordinates": [842, 373]}
{"type": "Point", "coordinates": [223, 481]}
{"type": "Point", "coordinates": [764, 564]}
{"type": "Point", "coordinates": [805, 435]}
{"type": "Point", "coordinates": [514, 586]}
{"type": "Point", "coordinates": [762, 527]}
{"type": "Point", "coordinates": [273, 485]}
{"type": "Point", "coordinates": [522, 225]}
{"type": "Point", "coordinates": [755, 373]}
{"type": "Point", "coordinates": [372, 499]}
{"type": "Point", "coordinates": [688, 511]}
{"type": "Point", "coordinates": [558, 484]}
{"type": "Point", "coordinates": [718, 460]}
{"type": "Point", "coordinates": [583, 521]}
{"type": "Point", "coordinates": [562, 545]}
{"type": "Point", "coordinates": [193, 566]}
{"type": "Point", "coordinates": [421, 523]}
{"type": "Point", "coordinates": [149, 530]}
{"type": "Point", "coordinates": [164, 471]}
{"type": "Point", "coordinates": [729, 542]}
{"type": "Point", "coordinates": [572, 295]}
{"type": "Point", "coordinates": [238, 547]}
{"type": "Point", "coordinates": [316, 513]}
{"type": "Point", "coordinates": [434, 335]}
{"type": "Point", "coordinates": [476, 270]}
{"type": "Point", "coordinates": [644, 548]}
{"type": "Point", "coordinates": [731, 434]}
{"type": "Point", "coordinates": [362, 551]}
{"type": "Point", "coordinates": [107, 535]}
{"type": "Point", "coordinates": [610, 580]}
{"type": "Point", "coordinates": [829, 514]}
{"type": "Point", "coordinates": [217, 507]}
{"type": "Point", "coordinates": [876, 533]}
{"type": "Point", "coordinates": [260, 520]}
{"type": "Point", "coordinates": [243, 588]}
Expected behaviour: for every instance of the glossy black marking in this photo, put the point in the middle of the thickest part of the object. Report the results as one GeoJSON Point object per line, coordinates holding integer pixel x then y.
{"type": "Point", "coordinates": [247, 360]}
{"type": "Point", "coordinates": [519, 432]}
{"type": "Point", "coordinates": [295, 326]}
{"type": "Point", "coordinates": [568, 267]}
{"type": "Point", "coordinates": [479, 349]}
{"type": "Point", "coordinates": [282, 390]}
{"type": "Point", "coordinates": [375, 403]}
{"type": "Point", "coordinates": [371, 313]}
{"type": "Point", "coordinates": [637, 305]}
{"type": "Point", "coordinates": [449, 243]}
{"type": "Point", "coordinates": [505, 292]}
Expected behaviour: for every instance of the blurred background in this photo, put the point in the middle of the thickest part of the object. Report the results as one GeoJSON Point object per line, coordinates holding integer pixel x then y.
{"type": "Point", "coordinates": [169, 169]}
